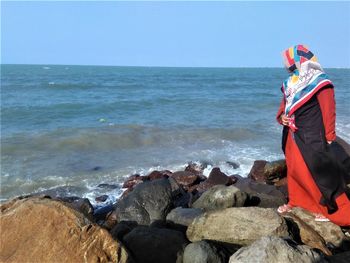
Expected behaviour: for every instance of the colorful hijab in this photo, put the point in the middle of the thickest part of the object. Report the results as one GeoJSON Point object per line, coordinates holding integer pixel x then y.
{"type": "Point", "coordinates": [307, 77]}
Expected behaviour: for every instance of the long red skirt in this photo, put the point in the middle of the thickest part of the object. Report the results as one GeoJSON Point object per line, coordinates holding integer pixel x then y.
{"type": "Point", "coordinates": [303, 191]}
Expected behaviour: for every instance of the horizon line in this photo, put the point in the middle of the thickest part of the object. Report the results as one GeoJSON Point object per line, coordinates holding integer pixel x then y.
{"type": "Point", "coordinates": [146, 66]}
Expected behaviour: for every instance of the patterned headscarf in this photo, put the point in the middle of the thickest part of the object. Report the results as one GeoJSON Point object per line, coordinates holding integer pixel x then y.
{"type": "Point", "coordinates": [307, 77]}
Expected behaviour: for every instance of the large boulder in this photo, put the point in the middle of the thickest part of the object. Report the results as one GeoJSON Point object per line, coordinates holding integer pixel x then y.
{"type": "Point", "coordinates": [220, 197]}
{"type": "Point", "coordinates": [148, 202]}
{"type": "Point", "coordinates": [185, 178]}
{"type": "Point", "coordinates": [271, 249]}
{"type": "Point", "coordinates": [237, 225]}
{"type": "Point", "coordinates": [329, 231]}
{"type": "Point", "coordinates": [183, 216]}
{"type": "Point", "coordinates": [151, 244]}
{"type": "Point", "coordinates": [204, 252]}
{"type": "Point", "coordinates": [44, 230]}
{"type": "Point", "coordinates": [263, 171]}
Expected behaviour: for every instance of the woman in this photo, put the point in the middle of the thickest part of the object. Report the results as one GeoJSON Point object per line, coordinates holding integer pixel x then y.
{"type": "Point", "coordinates": [315, 177]}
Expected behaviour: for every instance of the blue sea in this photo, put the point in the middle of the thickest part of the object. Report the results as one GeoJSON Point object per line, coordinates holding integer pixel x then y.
{"type": "Point", "coordinates": [80, 126]}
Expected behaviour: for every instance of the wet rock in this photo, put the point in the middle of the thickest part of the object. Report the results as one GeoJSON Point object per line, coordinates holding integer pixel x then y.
{"type": "Point", "coordinates": [232, 179]}
{"type": "Point", "coordinates": [159, 174]}
{"type": "Point", "coordinates": [220, 197]}
{"type": "Point", "coordinates": [185, 178]}
{"type": "Point", "coordinates": [234, 165]}
{"type": "Point", "coordinates": [150, 244]}
{"type": "Point", "coordinates": [195, 168]}
{"type": "Point", "coordinates": [108, 186]}
{"type": "Point", "coordinates": [84, 206]}
{"type": "Point", "coordinates": [101, 199]}
{"type": "Point", "coordinates": [102, 212]}
{"type": "Point", "coordinates": [203, 252]}
{"type": "Point", "coordinates": [269, 172]}
{"type": "Point", "coordinates": [257, 171]}
{"type": "Point", "coordinates": [271, 249]}
{"type": "Point", "coordinates": [96, 168]}
{"type": "Point", "coordinates": [61, 229]}
{"type": "Point", "coordinates": [237, 225]}
{"type": "Point", "coordinates": [134, 180]}
{"type": "Point", "coordinates": [183, 216]}
{"type": "Point", "coordinates": [217, 177]}
{"type": "Point", "coordinates": [149, 201]}
{"type": "Point", "coordinates": [264, 200]}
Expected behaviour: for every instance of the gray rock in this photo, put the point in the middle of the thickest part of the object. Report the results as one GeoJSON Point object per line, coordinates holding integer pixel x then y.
{"type": "Point", "coordinates": [340, 258]}
{"type": "Point", "coordinates": [264, 200]}
{"type": "Point", "coordinates": [203, 252]}
{"type": "Point", "coordinates": [220, 197]}
{"type": "Point", "coordinates": [252, 188]}
{"type": "Point", "coordinates": [271, 249]}
{"type": "Point", "coordinates": [150, 244]}
{"type": "Point", "coordinates": [149, 201]}
{"type": "Point", "coordinates": [183, 216]}
{"type": "Point", "coordinates": [237, 225]}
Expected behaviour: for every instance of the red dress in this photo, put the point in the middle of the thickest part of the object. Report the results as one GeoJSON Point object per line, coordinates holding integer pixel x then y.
{"type": "Point", "coordinates": [302, 189]}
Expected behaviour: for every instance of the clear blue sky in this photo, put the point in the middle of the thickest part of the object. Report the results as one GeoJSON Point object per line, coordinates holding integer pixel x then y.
{"type": "Point", "coordinates": [224, 34]}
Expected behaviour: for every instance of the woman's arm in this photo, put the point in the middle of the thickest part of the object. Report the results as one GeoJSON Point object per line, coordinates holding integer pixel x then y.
{"type": "Point", "coordinates": [326, 100]}
{"type": "Point", "coordinates": [280, 112]}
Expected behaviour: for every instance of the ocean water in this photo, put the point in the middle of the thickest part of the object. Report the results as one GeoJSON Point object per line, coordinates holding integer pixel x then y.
{"type": "Point", "coordinates": [80, 126]}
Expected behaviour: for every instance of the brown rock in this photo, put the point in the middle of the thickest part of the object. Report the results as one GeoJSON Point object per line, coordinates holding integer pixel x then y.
{"type": "Point", "coordinates": [44, 230]}
{"type": "Point", "coordinates": [134, 180]}
{"type": "Point", "coordinates": [308, 235]}
{"type": "Point", "coordinates": [195, 168]}
{"type": "Point", "coordinates": [217, 177]}
{"type": "Point", "coordinates": [185, 178]}
{"type": "Point", "coordinates": [159, 174]}
{"type": "Point", "coordinates": [257, 171]}
{"type": "Point", "coordinates": [232, 180]}
{"type": "Point", "coordinates": [281, 182]}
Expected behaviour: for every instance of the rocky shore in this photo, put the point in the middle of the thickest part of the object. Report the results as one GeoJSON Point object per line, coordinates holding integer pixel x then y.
{"type": "Point", "coordinates": [173, 216]}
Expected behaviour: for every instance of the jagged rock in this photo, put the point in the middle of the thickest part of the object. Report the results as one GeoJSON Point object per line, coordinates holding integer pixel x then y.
{"type": "Point", "coordinates": [329, 231]}
{"type": "Point", "coordinates": [149, 201]}
{"type": "Point", "coordinates": [159, 174]}
{"type": "Point", "coordinates": [237, 225]}
{"type": "Point", "coordinates": [185, 178]}
{"type": "Point", "coordinates": [45, 230]}
{"type": "Point", "coordinates": [271, 249]}
{"type": "Point", "coordinates": [183, 216]}
{"type": "Point", "coordinates": [195, 168]}
{"type": "Point", "coordinates": [263, 171]}
{"type": "Point", "coordinates": [217, 177]}
{"type": "Point", "coordinates": [257, 171]}
{"type": "Point", "coordinates": [220, 197]}
{"type": "Point", "coordinates": [307, 234]}
{"type": "Point", "coordinates": [203, 252]}
{"type": "Point", "coordinates": [151, 244]}
{"type": "Point", "coordinates": [134, 180]}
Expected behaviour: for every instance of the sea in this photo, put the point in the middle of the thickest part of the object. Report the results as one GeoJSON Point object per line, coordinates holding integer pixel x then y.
{"type": "Point", "coordinates": [77, 127]}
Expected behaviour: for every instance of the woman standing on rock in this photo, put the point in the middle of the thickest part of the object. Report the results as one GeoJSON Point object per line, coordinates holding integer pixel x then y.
{"type": "Point", "coordinates": [316, 179]}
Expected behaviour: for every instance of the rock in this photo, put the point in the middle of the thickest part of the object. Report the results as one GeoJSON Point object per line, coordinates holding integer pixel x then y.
{"type": "Point", "coordinates": [252, 188]}
{"type": "Point", "coordinates": [108, 186]}
{"type": "Point", "coordinates": [269, 172]}
{"type": "Point", "coordinates": [234, 165]}
{"type": "Point", "coordinates": [217, 177]}
{"type": "Point", "coordinates": [195, 168]}
{"type": "Point", "coordinates": [275, 170]}
{"type": "Point", "coordinates": [340, 258]}
{"type": "Point", "coordinates": [134, 180]}
{"type": "Point", "coordinates": [232, 179]}
{"type": "Point", "coordinates": [257, 171]}
{"type": "Point", "coordinates": [96, 168]}
{"type": "Point", "coordinates": [237, 225]}
{"type": "Point", "coordinates": [159, 174]}
{"type": "Point", "coordinates": [271, 249]}
{"type": "Point", "coordinates": [84, 206]}
{"type": "Point", "coordinates": [45, 230]}
{"type": "Point", "coordinates": [183, 216]}
{"type": "Point", "coordinates": [220, 197]}
{"type": "Point", "coordinates": [101, 199]}
{"type": "Point", "coordinates": [102, 212]}
{"type": "Point", "coordinates": [121, 229]}
{"type": "Point", "coordinates": [203, 252]}
{"type": "Point", "coordinates": [281, 182]}
{"type": "Point", "coordinates": [307, 234]}
{"type": "Point", "coordinates": [330, 232]}
{"type": "Point", "coordinates": [185, 178]}
{"type": "Point", "coordinates": [150, 244]}
{"type": "Point", "coordinates": [149, 201]}
{"type": "Point", "coordinates": [264, 200]}
{"type": "Point", "coordinates": [60, 192]}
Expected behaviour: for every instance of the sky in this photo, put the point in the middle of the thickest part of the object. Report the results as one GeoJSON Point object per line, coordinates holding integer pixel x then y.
{"type": "Point", "coordinates": [193, 34]}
